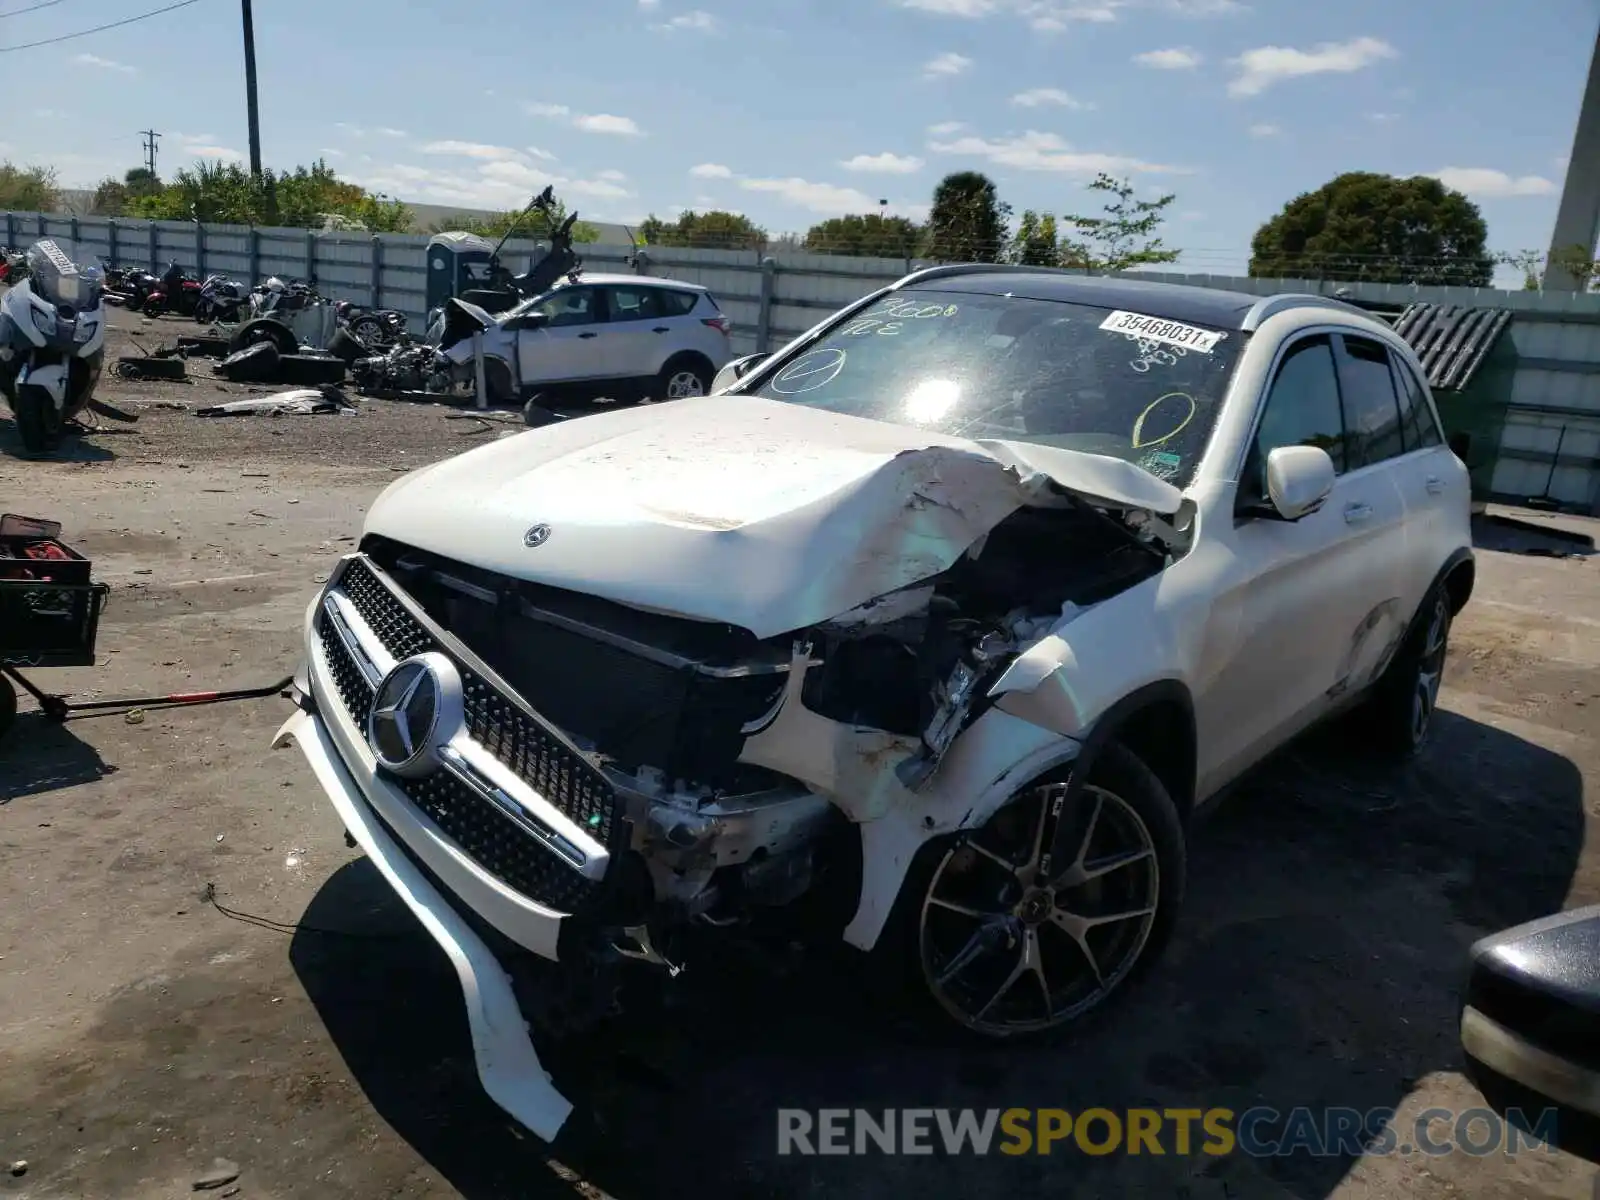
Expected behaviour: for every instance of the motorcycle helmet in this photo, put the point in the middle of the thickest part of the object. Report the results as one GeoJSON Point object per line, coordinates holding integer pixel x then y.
{"type": "Point", "coordinates": [274, 284]}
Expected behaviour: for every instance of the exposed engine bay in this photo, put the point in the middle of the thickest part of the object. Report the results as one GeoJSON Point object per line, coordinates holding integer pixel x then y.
{"type": "Point", "coordinates": [669, 705]}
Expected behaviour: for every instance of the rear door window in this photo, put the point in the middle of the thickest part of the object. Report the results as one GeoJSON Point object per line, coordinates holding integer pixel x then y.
{"type": "Point", "coordinates": [675, 303]}
{"type": "Point", "coordinates": [1416, 414]}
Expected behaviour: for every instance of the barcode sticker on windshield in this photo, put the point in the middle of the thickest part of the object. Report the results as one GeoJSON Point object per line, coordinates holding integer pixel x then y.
{"type": "Point", "coordinates": [1159, 329]}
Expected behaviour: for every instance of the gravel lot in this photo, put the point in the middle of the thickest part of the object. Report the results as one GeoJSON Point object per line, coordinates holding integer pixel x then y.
{"type": "Point", "coordinates": [304, 1028]}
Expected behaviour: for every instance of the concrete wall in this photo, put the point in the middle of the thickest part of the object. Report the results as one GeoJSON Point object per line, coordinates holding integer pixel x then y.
{"type": "Point", "coordinates": [1555, 395]}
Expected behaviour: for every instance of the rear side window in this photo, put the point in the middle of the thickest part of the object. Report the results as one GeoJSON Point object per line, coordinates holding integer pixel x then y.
{"type": "Point", "coordinates": [1371, 408]}
{"type": "Point", "coordinates": [675, 303]}
{"type": "Point", "coordinates": [1416, 414]}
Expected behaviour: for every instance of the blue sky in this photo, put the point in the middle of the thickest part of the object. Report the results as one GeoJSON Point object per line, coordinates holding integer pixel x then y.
{"type": "Point", "coordinates": [796, 110]}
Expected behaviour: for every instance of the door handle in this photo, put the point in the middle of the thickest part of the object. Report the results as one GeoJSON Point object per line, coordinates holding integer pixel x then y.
{"type": "Point", "coordinates": [1355, 514]}
{"type": "Point", "coordinates": [588, 335]}
{"type": "Point", "coordinates": [661, 329]}
{"type": "Point", "coordinates": [1434, 484]}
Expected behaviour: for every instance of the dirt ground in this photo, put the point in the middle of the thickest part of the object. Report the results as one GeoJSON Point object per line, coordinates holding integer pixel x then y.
{"type": "Point", "coordinates": [305, 1028]}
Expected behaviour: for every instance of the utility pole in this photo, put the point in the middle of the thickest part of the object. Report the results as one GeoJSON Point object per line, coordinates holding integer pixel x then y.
{"type": "Point", "coordinates": [253, 110]}
{"type": "Point", "coordinates": [151, 138]}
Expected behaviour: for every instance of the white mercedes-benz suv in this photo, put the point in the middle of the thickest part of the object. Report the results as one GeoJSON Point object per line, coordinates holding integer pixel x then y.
{"type": "Point", "coordinates": [943, 619]}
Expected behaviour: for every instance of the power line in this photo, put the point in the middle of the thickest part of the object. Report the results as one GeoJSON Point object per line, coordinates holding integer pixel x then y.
{"type": "Point", "coordinates": [67, 37]}
{"type": "Point", "coordinates": [17, 12]}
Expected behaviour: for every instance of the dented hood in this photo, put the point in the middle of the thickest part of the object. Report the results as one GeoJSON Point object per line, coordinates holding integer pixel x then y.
{"type": "Point", "coordinates": [765, 515]}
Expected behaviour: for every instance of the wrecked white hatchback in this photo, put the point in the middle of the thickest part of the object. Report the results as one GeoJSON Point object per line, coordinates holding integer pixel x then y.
{"type": "Point", "coordinates": [945, 618]}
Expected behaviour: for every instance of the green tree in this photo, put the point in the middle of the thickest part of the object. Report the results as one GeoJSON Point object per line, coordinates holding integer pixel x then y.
{"type": "Point", "coordinates": [1366, 226]}
{"type": "Point", "coordinates": [1036, 242]}
{"type": "Point", "coordinates": [714, 230]}
{"type": "Point", "coordinates": [1124, 236]}
{"type": "Point", "coordinates": [870, 235]}
{"type": "Point", "coordinates": [28, 189]}
{"type": "Point", "coordinates": [306, 197]}
{"type": "Point", "coordinates": [110, 198]}
{"type": "Point", "coordinates": [536, 225]}
{"type": "Point", "coordinates": [141, 181]}
{"type": "Point", "coordinates": [968, 220]}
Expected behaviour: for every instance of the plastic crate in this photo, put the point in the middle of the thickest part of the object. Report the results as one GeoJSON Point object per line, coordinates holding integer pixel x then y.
{"type": "Point", "coordinates": [49, 608]}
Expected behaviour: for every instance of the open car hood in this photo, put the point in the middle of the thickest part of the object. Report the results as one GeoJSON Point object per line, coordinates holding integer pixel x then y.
{"type": "Point", "coordinates": [764, 515]}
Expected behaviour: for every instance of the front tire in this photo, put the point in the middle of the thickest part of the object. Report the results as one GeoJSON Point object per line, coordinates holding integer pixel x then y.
{"type": "Point", "coordinates": [1399, 714]}
{"type": "Point", "coordinates": [38, 423]}
{"type": "Point", "coordinates": [1025, 925]}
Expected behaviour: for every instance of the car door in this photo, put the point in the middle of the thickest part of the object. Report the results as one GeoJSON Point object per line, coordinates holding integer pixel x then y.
{"type": "Point", "coordinates": [1375, 448]}
{"type": "Point", "coordinates": [1433, 484]}
{"type": "Point", "coordinates": [635, 331]}
{"type": "Point", "coordinates": [1290, 595]}
{"type": "Point", "coordinates": [569, 344]}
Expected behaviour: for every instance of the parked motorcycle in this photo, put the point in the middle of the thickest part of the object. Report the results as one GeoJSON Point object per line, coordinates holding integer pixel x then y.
{"type": "Point", "coordinates": [130, 288]}
{"type": "Point", "coordinates": [378, 329]}
{"type": "Point", "coordinates": [178, 293]}
{"type": "Point", "coordinates": [52, 341]}
{"type": "Point", "coordinates": [221, 299]}
{"type": "Point", "coordinates": [13, 266]}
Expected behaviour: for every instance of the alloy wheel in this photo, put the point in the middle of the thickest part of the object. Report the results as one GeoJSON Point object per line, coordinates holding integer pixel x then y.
{"type": "Point", "coordinates": [1039, 915]}
{"type": "Point", "coordinates": [683, 385]}
{"type": "Point", "coordinates": [1430, 671]}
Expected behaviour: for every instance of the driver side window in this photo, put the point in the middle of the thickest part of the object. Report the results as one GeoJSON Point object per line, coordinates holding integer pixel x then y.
{"type": "Point", "coordinates": [570, 306]}
{"type": "Point", "coordinates": [1302, 409]}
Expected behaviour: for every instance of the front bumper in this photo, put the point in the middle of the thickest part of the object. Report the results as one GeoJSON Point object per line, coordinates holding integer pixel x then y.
{"type": "Point", "coordinates": [508, 1065]}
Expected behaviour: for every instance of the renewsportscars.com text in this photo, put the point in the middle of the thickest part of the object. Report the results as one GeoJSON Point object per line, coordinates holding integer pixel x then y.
{"type": "Point", "coordinates": [1257, 1132]}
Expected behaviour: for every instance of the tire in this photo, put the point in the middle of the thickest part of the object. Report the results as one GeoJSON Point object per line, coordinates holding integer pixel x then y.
{"type": "Point", "coordinates": [370, 332]}
{"type": "Point", "coordinates": [308, 370]}
{"type": "Point", "coordinates": [264, 329]}
{"type": "Point", "coordinates": [497, 379]}
{"type": "Point", "coordinates": [684, 377]}
{"type": "Point", "coordinates": [1397, 716]}
{"type": "Point", "coordinates": [966, 900]}
{"type": "Point", "coordinates": [37, 423]}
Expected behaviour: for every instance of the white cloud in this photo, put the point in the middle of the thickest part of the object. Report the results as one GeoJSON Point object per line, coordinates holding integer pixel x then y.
{"type": "Point", "coordinates": [649, 5]}
{"type": "Point", "coordinates": [105, 64]}
{"type": "Point", "coordinates": [818, 197]}
{"type": "Point", "coordinates": [1178, 58]}
{"type": "Point", "coordinates": [330, 152]}
{"type": "Point", "coordinates": [472, 150]}
{"type": "Point", "coordinates": [1264, 66]}
{"type": "Point", "coordinates": [385, 131]}
{"type": "Point", "coordinates": [546, 110]}
{"type": "Point", "coordinates": [711, 171]}
{"type": "Point", "coordinates": [501, 183]}
{"type": "Point", "coordinates": [944, 128]}
{"type": "Point", "coordinates": [1382, 118]}
{"type": "Point", "coordinates": [1485, 181]}
{"type": "Point", "coordinates": [944, 66]}
{"type": "Point", "coordinates": [1265, 129]}
{"type": "Point", "coordinates": [544, 155]}
{"type": "Point", "coordinates": [352, 130]}
{"type": "Point", "coordinates": [953, 8]}
{"type": "Point", "coordinates": [695, 21]}
{"type": "Point", "coordinates": [1034, 97]}
{"type": "Point", "coordinates": [614, 175]}
{"type": "Point", "coordinates": [885, 163]}
{"type": "Point", "coordinates": [608, 124]}
{"type": "Point", "coordinates": [1035, 151]}
{"type": "Point", "coordinates": [202, 150]}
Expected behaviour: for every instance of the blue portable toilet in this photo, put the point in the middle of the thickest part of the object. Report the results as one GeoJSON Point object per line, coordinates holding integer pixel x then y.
{"type": "Point", "coordinates": [457, 262]}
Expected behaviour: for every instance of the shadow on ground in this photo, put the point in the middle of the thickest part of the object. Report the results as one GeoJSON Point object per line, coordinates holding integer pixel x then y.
{"type": "Point", "coordinates": [38, 755]}
{"type": "Point", "coordinates": [1316, 964]}
{"type": "Point", "coordinates": [74, 447]}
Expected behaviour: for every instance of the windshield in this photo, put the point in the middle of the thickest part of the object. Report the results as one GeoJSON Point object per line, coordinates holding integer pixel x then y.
{"type": "Point", "coordinates": [61, 275]}
{"type": "Point", "coordinates": [1132, 385]}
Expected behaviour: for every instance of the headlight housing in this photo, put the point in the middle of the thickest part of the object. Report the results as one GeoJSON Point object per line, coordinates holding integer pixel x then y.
{"type": "Point", "coordinates": [86, 328]}
{"type": "Point", "coordinates": [44, 320]}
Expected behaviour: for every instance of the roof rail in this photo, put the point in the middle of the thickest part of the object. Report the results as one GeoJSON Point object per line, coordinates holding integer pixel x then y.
{"type": "Point", "coordinates": [951, 270]}
{"type": "Point", "coordinates": [1271, 306]}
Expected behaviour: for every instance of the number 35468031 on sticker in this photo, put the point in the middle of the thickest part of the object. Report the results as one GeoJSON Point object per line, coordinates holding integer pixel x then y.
{"type": "Point", "coordinates": [1159, 329]}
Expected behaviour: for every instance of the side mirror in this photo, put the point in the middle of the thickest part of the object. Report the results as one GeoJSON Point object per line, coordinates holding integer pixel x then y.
{"type": "Point", "coordinates": [1299, 479]}
{"type": "Point", "coordinates": [1528, 1020]}
{"type": "Point", "coordinates": [736, 370]}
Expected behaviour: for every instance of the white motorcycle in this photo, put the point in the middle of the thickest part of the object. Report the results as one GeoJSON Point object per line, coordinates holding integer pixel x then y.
{"type": "Point", "coordinates": [52, 341]}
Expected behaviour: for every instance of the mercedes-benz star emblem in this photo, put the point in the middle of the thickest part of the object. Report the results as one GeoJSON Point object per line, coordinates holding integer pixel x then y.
{"type": "Point", "coordinates": [537, 536]}
{"type": "Point", "coordinates": [416, 708]}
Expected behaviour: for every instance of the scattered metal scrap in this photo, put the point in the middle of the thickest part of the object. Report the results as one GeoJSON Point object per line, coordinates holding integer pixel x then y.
{"type": "Point", "coordinates": [300, 402]}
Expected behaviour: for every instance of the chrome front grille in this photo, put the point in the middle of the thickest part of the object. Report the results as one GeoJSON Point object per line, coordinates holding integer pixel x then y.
{"type": "Point", "coordinates": [506, 839]}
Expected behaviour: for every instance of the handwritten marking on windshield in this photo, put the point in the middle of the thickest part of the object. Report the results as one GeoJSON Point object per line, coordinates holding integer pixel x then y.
{"type": "Point", "coordinates": [812, 370]}
{"type": "Point", "coordinates": [1138, 438]}
{"type": "Point", "coordinates": [910, 310]}
{"type": "Point", "coordinates": [1152, 355]}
